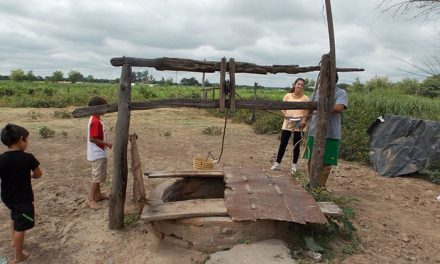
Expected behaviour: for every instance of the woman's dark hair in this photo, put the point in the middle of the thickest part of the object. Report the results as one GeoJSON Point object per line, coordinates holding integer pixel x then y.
{"type": "Point", "coordinates": [97, 101]}
{"type": "Point", "coordinates": [11, 134]}
{"type": "Point", "coordinates": [297, 80]}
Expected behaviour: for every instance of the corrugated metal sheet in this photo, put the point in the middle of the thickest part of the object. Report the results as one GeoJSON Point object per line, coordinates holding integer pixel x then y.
{"type": "Point", "coordinates": [252, 193]}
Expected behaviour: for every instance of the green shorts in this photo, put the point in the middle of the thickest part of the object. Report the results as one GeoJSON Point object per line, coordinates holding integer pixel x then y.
{"type": "Point", "coordinates": [331, 153]}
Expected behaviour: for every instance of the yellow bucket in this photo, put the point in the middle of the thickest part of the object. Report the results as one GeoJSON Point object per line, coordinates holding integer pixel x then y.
{"type": "Point", "coordinates": [200, 163]}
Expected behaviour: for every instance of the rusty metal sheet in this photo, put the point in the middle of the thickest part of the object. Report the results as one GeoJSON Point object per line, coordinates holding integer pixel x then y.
{"type": "Point", "coordinates": [252, 193]}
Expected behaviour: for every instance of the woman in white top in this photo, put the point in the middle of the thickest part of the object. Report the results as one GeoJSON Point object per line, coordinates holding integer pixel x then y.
{"type": "Point", "coordinates": [291, 124]}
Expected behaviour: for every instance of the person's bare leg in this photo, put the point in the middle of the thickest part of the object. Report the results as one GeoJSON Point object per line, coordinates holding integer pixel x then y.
{"type": "Point", "coordinates": [92, 196]}
{"type": "Point", "coordinates": [12, 233]}
{"type": "Point", "coordinates": [99, 196]}
{"type": "Point", "coordinates": [20, 254]}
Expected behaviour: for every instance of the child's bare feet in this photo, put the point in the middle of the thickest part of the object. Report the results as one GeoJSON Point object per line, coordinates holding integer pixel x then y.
{"type": "Point", "coordinates": [94, 205]}
{"type": "Point", "coordinates": [101, 197]}
{"type": "Point", "coordinates": [20, 257]}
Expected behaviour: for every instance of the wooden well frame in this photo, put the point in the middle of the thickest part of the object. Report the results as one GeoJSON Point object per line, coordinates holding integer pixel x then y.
{"type": "Point", "coordinates": [124, 106]}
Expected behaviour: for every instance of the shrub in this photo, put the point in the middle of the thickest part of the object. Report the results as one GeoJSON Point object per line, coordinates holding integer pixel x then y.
{"type": "Point", "coordinates": [430, 87]}
{"type": "Point", "coordinates": [46, 132]}
{"type": "Point", "coordinates": [212, 130]}
{"type": "Point", "coordinates": [6, 92]}
{"type": "Point", "coordinates": [378, 82]}
{"type": "Point", "coordinates": [62, 114]}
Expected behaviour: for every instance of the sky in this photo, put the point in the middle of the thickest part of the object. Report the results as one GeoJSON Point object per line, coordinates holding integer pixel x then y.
{"type": "Point", "coordinates": [83, 35]}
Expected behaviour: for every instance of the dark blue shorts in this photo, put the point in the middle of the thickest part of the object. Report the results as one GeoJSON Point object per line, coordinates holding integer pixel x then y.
{"type": "Point", "coordinates": [23, 216]}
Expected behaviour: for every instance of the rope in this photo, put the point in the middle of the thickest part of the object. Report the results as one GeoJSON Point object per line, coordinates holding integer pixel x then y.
{"type": "Point", "coordinates": [224, 133]}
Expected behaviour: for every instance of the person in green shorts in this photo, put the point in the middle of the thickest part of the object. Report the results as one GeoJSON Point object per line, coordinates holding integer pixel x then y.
{"type": "Point", "coordinates": [331, 152]}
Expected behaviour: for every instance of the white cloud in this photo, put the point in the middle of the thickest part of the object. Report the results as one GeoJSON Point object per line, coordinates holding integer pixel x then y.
{"type": "Point", "coordinates": [48, 35]}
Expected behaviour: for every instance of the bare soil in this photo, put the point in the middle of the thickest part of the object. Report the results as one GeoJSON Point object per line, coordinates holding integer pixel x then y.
{"type": "Point", "coordinates": [398, 220]}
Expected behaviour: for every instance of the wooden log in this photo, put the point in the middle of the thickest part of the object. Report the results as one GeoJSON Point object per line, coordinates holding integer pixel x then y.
{"type": "Point", "coordinates": [232, 82]}
{"type": "Point", "coordinates": [184, 209]}
{"type": "Point", "coordinates": [222, 84]}
{"type": "Point", "coordinates": [183, 174]}
{"type": "Point", "coordinates": [120, 167]}
{"type": "Point", "coordinates": [317, 162]}
{"type": "Point", "coordinates": [178, 64]}
{"type": "Point", "coordinates": [139, 196]}
{"type": "Point", "coordinates": [331, 34]}
{"type": "Point", "coordinates": [172, 103]}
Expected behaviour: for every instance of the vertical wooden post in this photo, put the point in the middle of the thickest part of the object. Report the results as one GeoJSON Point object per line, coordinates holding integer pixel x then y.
{"type": "Point", "coordinates": [204, 93]}
{"type": "Point", "coordinates": [222, 84]}
{"type": "Point", "coordinates": [254, 111]}
{"type": "Point", "coordinates": [120, 167]}
{"type": "Point", "coordinates": [232, 82]}
{"type": "Point", "coordinates": [326, 102]}
{"type": "Point", "coordinates": [331, 34]}
{"type": "Point", "coordinates": [317, 162]}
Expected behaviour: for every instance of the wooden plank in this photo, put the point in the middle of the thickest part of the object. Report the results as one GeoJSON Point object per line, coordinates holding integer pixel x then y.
{"type": "Point", "coordinates": [179, 64]}
{"type": "Point", "coordinates": [330, 209]}
{"type": "Point", "coordinates": [139, 195]}
{"type": "Point", "coordinates": [184, 209]}
{"type": "Point", "coordinates": [174, 174]}
{"type": "Point", "coordinates": [120, 166]}
{"type": "Point", "coordinates": [172, 103]}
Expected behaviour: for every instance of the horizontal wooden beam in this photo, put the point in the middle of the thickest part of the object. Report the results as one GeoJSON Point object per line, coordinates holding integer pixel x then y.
{"type": "Point", "coordinates": [185, 209]}
{"type": "Point", "coordinates": [177, 64]}
{"type": "Point", "coordinates": [173, 103]}
{"type": "Point", "coordinates": [186, 174]}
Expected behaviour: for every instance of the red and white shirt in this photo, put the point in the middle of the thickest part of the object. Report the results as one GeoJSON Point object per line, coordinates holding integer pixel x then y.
{"type": "Point", "coordinates": [95, 130]}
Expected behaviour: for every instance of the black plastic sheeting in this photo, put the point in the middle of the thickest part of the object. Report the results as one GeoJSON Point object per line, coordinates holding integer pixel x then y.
{"type": "Point", "coordinates": [401, 145]}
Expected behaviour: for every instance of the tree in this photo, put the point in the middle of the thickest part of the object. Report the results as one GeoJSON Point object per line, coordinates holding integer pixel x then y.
{"type": "Point", "coordinates": [17, 75]}
{"type": "Point", "coordinates": [57, 76]}
{"type": "Point", "coordinates": [430, 87]}
{"type": "Point", "coordinates": [75, 76]}
{"type": "Point", "coordinates": [417, 8]}
{"type": "Point", "coordinates": [89, 78]}
{"type": "Point", "coordinates": [30, 76]}
{"type": "Point", "coordinates": [190, 82]}
{"type": "Point", "coordinates": [424, 8]}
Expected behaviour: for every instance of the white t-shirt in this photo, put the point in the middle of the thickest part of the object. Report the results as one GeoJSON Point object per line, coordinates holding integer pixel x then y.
{"type": "Point", "coordinates": [95, 129]}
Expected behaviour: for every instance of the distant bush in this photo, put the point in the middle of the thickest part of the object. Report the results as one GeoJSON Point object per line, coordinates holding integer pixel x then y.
{"type": "Point", "coordinates": [408, 85]}
{"type": "Point", "coordinates": [378, 83]}
{"type": "Point", "coordinates": [430, 87]}
{"type": "Point", "coordinates": [6, 92]}
{"type": "Point", "coordinates": [46, 132]}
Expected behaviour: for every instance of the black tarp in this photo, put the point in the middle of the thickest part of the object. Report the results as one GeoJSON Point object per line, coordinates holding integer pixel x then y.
{"type": "Point", "coordinates": [402, 145]}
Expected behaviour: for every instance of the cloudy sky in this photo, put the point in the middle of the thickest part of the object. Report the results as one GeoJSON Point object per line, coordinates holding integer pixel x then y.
{"type": "Point", "coordinates": [49, 35]}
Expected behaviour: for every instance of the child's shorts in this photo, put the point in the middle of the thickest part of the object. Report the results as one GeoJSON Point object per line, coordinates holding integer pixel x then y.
{"type": "Point", "coordinates": [23, 216]}
{"type": "Point", "coordinates": [99, 170]}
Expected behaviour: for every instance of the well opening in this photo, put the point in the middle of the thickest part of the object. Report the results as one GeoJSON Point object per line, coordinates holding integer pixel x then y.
{"type": "Point", "coordinates": [194, 188]}
{"type": "Point", "coordinates": [207, 233]}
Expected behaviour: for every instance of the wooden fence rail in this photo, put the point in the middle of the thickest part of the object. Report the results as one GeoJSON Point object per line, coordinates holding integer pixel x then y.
{"type": "Point", "coordinates": [177, 64]}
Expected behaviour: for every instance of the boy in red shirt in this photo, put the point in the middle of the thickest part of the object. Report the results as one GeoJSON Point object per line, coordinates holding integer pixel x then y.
{"type": "Point", "coordinates": [97, 146]}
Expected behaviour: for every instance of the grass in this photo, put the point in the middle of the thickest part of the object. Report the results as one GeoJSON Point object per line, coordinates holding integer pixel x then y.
{"type": "Point", "coordinates": [364, 107]}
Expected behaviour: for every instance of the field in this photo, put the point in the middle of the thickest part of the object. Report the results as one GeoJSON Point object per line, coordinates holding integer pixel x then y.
{"type": "Point", "coordinates": [397, 219]}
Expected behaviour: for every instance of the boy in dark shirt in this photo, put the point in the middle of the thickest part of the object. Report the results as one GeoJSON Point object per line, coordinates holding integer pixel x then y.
{"type": "Point", "coordinates": [16, 188]}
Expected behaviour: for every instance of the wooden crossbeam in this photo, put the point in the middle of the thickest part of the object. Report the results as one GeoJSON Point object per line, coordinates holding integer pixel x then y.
{"type": "Point", "coordinates": [171, 103]}
{"type": "Point", "coordinates": [178, 64]}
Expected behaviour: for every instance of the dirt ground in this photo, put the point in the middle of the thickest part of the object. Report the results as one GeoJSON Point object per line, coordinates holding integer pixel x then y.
{"type": "Point", "coordinates": [398, 220]}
